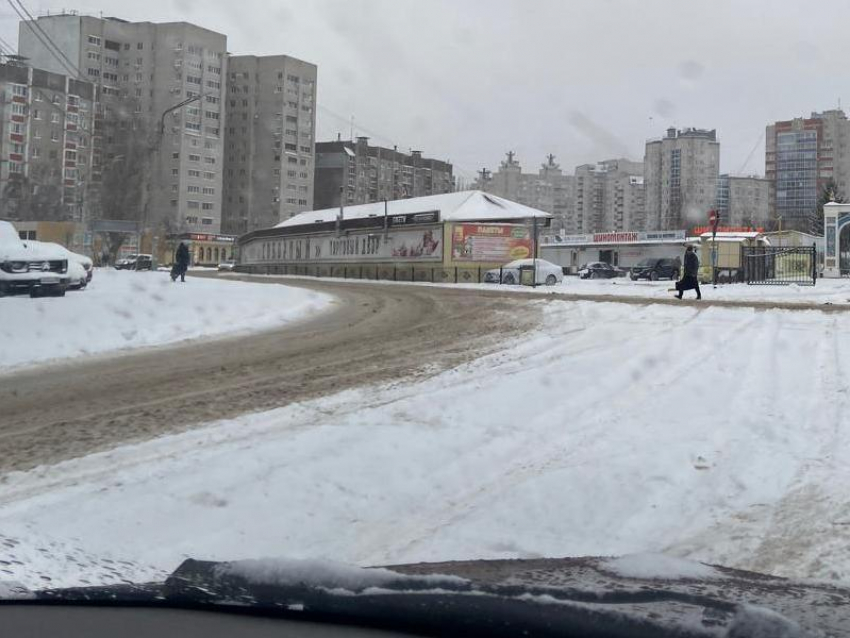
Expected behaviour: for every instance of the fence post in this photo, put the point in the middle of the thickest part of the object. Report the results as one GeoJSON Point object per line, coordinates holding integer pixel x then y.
{"type": "Point", "coordinates": [479, 274]}
{"type": "Point", "coordinates": [413, 273]}
{"type": "Point", "coordinates": [500, 276]}
{"type": "Point", "coordinates": [814, 264]}
{"type": "Point", "coordinates": [455, 274]}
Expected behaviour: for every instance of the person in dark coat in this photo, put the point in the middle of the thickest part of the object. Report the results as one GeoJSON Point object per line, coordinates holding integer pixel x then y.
{"type": "Point", "coordinates": [182, 259]}
{"type": "Point", "coordinates": [689, 280]}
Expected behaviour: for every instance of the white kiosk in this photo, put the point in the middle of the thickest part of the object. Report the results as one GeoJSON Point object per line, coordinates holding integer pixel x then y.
{"type": "Point", "coordinates": [836, 225]}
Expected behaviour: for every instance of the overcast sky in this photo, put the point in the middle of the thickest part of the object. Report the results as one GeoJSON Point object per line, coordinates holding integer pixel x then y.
{"type": "Point", "coordinates": [467, 80]}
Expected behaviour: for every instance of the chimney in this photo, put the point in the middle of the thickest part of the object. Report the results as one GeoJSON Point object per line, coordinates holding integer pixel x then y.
{"type": "Point", "coordinates": [671, 132]}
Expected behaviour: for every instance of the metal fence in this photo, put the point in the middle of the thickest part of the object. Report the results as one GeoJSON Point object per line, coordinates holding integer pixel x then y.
{"type": "Point", "coordinates": [769, 266]}
{"type": "Point", "coordinates": [433, 274]}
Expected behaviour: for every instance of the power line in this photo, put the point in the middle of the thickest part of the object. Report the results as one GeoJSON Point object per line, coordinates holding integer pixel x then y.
{"type": "Point", "coordinates": [44, 39]}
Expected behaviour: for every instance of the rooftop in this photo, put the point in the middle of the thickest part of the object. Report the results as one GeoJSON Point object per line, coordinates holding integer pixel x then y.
{"type": "Point", "coordinates": [461, 206]}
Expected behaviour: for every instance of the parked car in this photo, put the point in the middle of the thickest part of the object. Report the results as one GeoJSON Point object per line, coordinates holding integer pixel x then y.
{"type": "Point", "coordinates": [80, 267]}
{"type": "Point", "coordinates": [546, 272]}
{"type": "Point", "coordinates": [227, 266]}
{"type": "Point", "coordinates": [599, 270]}
{"type": "Point", "coordinates": [655, 268]}
{"type": "Point", "coordinates": [30, 269]}
{"type": "Point", "coordinates": [135, 262]}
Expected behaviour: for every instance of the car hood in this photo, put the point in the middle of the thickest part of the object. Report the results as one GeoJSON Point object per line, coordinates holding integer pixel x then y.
{"type": "Point", "coordinates": [627, 596]}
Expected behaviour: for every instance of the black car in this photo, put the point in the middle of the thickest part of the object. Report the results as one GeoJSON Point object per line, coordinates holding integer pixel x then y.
{"type": "Point", "coordinates": [657, 268]}
{"type": "Point", "coordinates": [599, 270]}
{"type": "Point", "coordinates": [135, 262]}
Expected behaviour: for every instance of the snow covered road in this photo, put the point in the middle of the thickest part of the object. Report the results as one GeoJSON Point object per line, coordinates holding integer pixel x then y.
{"type": "Point", "coordinates": [123, 310]}
{"type": "Point", "coordinates": [707, 433]}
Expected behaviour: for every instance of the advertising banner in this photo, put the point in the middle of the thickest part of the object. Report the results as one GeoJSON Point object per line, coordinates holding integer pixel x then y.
{"type": "Point", "coordinates": [424, 244]}
{"type": "Point", "coordinates": [498, 243]}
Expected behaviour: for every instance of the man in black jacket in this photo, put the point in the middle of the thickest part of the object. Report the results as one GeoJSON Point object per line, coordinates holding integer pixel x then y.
{"type": "Point", "coordinates": [182, 259]}
{"type": "Point", "coordinates": [689, 279]}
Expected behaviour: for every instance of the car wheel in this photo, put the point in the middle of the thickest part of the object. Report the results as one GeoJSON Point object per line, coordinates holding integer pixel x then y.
{"type": "Point", "coordinates": [509, 279]}
{"type": "Point", "coordinates": [594, 275]}
{"type": "Point", "coordinates": [653, 276]}
{"type": "Point", "coordinates": [551, 280]}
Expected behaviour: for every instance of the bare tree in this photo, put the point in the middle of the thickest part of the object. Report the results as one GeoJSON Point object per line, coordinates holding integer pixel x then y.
{"type": "Point", "coordinates": [126, 174]}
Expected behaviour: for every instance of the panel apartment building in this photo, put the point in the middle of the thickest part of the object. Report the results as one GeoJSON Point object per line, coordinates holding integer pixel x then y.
{"type": "Point", "coordinates": [680, 178]}
{"type": "Point", "coordinates": [549, 189]}
{"type": "Point", "coordinates": [269, 141]}
{"type": "Point", "coordinates": [365, 174]}
{"type": "Point", "coordinates": [608, 196]}
{"type": "Point", "coordinates": [801, 156]}
{"type": "Point", "coordinates": [46, 145]}
{"type": "Point", "coordinates": [142, 69]}
{"type": "Point", "coordinates": [743, 201]}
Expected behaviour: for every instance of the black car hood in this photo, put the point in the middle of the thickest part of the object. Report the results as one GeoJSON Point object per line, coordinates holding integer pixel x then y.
{"type": "Point", "coordinates": [539, 597]}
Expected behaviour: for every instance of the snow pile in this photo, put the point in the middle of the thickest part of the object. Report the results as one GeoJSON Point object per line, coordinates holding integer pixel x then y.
{"type": "Point", "coordinates": [710, 434]}
{"type": "Point", "coordinates": [658, 566]}
{"type": "Point", "coordinates": [11, 590]}
{"type": "Point", "coordinates": [324, 573]}
{"type": "Point", "coordinates": [121, 310]}
{"type": "Point", "coordinates": [757, 622]}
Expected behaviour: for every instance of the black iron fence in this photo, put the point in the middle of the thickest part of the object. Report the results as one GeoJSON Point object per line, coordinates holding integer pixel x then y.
{"type": "Point", "coordinates": [776, 266]}
{"type": "Point", "coordinates": [415, 273]}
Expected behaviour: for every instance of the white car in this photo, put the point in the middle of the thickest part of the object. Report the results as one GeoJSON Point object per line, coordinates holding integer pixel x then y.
{"type": "Point", "coordinates": [80, 267]}
{"type": "Point", "coordinates": [27, 269]}
{"type": "Point", "coordinates": [546, 272]}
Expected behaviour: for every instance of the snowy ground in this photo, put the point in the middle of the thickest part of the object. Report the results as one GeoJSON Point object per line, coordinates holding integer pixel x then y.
{"type": "Point", "coordinates": [704, 433]}
{"type": "Point", "coordinates": [122, 309]}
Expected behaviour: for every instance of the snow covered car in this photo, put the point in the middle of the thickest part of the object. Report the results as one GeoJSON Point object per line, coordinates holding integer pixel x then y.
{"type": "Point", "coordinates": [599, 270]}
{"type": "Point", "coordinates": [29, 269]}
{"type": "Point", "coordinates": [546, 273]}
{"type": "Point", "coordinates": [80, 267]}
{"type": "Point", "coordinates": [227, 266]}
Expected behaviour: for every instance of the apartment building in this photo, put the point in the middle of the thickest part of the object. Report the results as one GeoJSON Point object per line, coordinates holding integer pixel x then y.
{"type": "Point", "coordinates": [743, 201]}
{"type": "Point", "coordinates": [142, 70]}
{"type": "Point", "coordinates": [47, 144]}
{"type": "Point", "coordinates": [366, 174]}
{"type": "Point", "coordinates": [549, 189]}
{"type": "Point", "coordinates": [680, 178]}
{"type": "Point", "coordinates": [608, 196]}
{"type": "Point", "coordinates": [269, 141]}
{"type": "Point", "coordinates": [801, 156]}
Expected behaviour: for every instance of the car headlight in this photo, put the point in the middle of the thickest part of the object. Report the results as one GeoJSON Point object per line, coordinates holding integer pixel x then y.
{"type": "Point", "coordinates": [14, 266]}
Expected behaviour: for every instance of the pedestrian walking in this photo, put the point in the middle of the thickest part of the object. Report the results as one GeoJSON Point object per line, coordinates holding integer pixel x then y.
{"type": "Point", "coordinates": [181, 263]}
{"type": "Point", "coordinates": [689, 279]}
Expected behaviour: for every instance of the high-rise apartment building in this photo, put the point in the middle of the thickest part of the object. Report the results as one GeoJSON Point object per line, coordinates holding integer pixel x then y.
{"type": "Point", "coordinates": [680, 178]}
{"type": "Point", "coordinates": [801, 156]}
{"type": "Point", "coordinates": [142, 70]}
{"type": "Point", "coordinates": [608, 196]}
{"type": "Point", "coordinates": [366, 174]}
{"type": "Point", "coordinates": [47, 146]}
{"type": "Point", "coordinates": [549, 189]}
{"type": "Point", "coordinates": [743, 201]}
{"type": "Point", "coordinates": [269, 141]}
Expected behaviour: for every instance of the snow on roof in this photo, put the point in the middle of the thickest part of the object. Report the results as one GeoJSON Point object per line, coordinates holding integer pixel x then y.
{"type": "Point", "coordinates": [462, 206]}
{"type": "Point", "coordinates": [728, 236]}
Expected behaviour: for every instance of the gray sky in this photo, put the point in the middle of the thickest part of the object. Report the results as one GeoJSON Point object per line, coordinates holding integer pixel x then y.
{"type": "Point", "coordinates": [586, 80]}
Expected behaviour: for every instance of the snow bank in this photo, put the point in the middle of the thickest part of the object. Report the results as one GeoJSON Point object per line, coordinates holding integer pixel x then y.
{"type": "Point", "coordinates": [324, 573]}
{"type": "Point", "coordinates": [122, 310]}
{"type": "Point", "coordinates": [658, 566]}
{"type": "Point", "coordinates": [575, 440]}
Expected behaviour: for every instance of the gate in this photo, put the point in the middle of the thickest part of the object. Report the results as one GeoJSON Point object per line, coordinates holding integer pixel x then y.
{"type": "Point", "coordinates": [772, 266]}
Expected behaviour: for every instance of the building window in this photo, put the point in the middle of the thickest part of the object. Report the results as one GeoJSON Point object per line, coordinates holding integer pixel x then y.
{"type": "Point", "coordinates": [209, 190]}
{"type": "Point", "coordinates": [54, 136]}
{"type": "Point", "coordinates": [36, 152]}
{"type": "Point", "coordinates": [306, 149]}
{"type": "Point", "coordinates": [193, 204]}
{"type": "Point", "coordinates": [209, 160]}
{"type": "Point", "coordinates": [207, 206]}
{"type": "Point", "coordinates": [209, 175]}
{"type": "Point", "coordinates": [94, 40]}
{"type": "Point", "coordinates": [207, 221]}
{"type": "Point", "coordinates": [194, 158]}
{"type": "Point", "coordinates": [140, 46]}
{"type": "Point", "coordinates": [194, 173]}
{"type": "Point", "coordinates": [191, 219]}
{"type": "Point", "coordinates": [191, 188]}
{"type": "Point", "coordinates": [213, 84]}
{"type": "Point", "coordinates": [175, 155]}
{"type": "Point", "coordinates": [95, 73]}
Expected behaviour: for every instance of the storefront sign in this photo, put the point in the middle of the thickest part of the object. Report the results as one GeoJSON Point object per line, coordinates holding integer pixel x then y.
{"type": "Point", "coordinates": [491, 242]}
{"type": "Point", "coordinates": [628, 237]}
{"type": "Point", "coordinates": [396, 245]}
